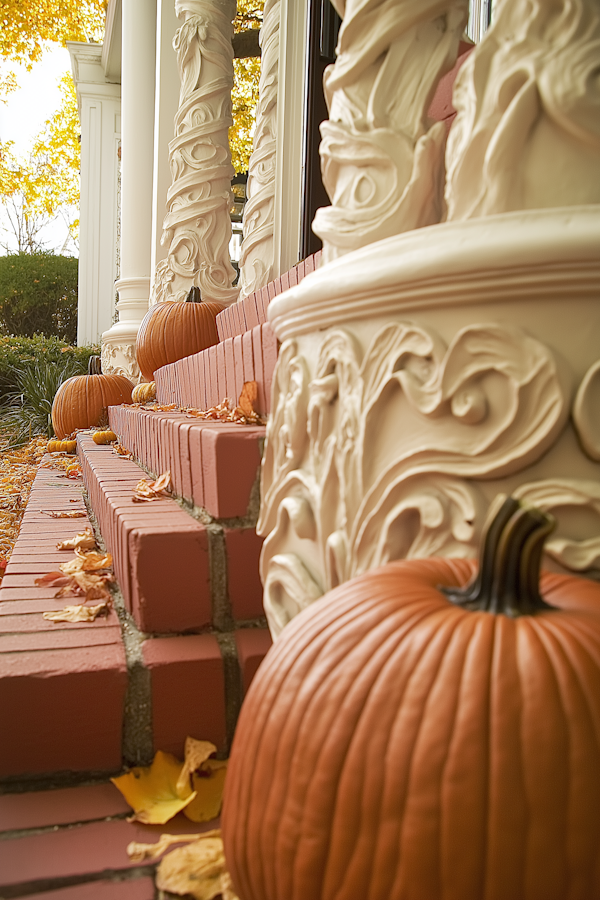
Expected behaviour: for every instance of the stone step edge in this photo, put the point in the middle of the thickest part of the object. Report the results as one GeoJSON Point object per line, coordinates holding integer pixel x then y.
{"type": "Point", "coordinates": [252, 310]}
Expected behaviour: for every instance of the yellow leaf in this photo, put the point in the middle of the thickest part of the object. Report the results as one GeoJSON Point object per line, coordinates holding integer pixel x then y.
{"type": "Point", "coordinates": [151, 791]}
{"type": "Point", "coordinates": [208, 787]}
{"type": "Point", "coordinates": [196, 754]}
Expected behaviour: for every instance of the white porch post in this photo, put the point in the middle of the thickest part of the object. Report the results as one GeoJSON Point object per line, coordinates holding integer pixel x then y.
{"type": "Point", "coordinates": [100, 115]}
{"type": "Point", "coordinates": [137, 100]}
{"type": "Point", "coordinates": [166, 105]}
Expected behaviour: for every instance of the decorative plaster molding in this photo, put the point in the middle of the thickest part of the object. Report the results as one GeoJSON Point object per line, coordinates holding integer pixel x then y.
{"type": "Point", "coordinates": [382, 160]}
{"type": "Point", "coordinates": [527, 133]}
{"type": "Point", "coordinates": [257, 255]}
{"type": "Point", "coordinates": [119, 359]}
{"type": "Point", "coordinates": [372, 457]}
{"type": "Point", "coordinates": [555, 495]}
{"type": "Point", "coordinates": [197, 227]}
{"type": "Point", "coordinates": [586, 412]}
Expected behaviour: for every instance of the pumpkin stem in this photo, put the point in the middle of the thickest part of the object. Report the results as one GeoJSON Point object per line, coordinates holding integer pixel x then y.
{"type": "Point", "coordinates": [194, 295]}
{"type": "Point", "coordinates": [94, 366]}
{"type": "Point", "coordinates": [509, 564]}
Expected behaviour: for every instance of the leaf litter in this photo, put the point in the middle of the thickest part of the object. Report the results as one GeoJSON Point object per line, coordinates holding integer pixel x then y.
{"type": "Point", "coordinates": [146, 491]}
{"type": "Point", "coordinates": [18, 468]}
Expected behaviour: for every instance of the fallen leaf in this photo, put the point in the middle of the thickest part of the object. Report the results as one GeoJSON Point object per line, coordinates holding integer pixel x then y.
{"type": "Point", "coordinates": [140, 852]}
{"type": "Point", "coordinates": [52, 579]}
{"type": "Point", "coordinates": [93, 586]}
{"type": "Point", "coordinates": [196, 754]}
{"type": "Point", "coordinates": [151, 791]}
{"type": "Point", "coordinates": [86, 561]}
{"type": "Point", "coordinates": [208, 784]}
{"type": "Point", "coordinates": [152, 490]}
{"type": "Point", "coordinates": [206, 777]}
{"type": "Point", "coordinates": [77, 613]}
{"type": "Point", "coordinates": [122, 451]}
{"type": "Point", "coordinates": [85, 540]}
{"type": "Point", "coordinates": [67, 514]}
{"type": "Point", "coordinates": [248, 397]}
{"type": "Point", "coordinates": [196, 870]}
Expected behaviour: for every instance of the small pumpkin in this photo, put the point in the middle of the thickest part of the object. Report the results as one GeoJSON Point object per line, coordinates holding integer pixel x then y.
{"type": "Point", "coordinates": [61, 447]}
{"type": "Point", "coordinates": [405, 741]}
{"type": "Point", "coordinates": [104, 437]}
{"type": "Point", "coordinates": [144, 392]}
{"type": "Point", "coordinates": [175, 329]}
{"type": "Point", "coordinates": [81, 401]}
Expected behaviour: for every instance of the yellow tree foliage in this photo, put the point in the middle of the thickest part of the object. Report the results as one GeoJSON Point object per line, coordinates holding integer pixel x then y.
{"type": "Point", "coordinates": [25, 25]}
{"type": "Point", "coordinates": [244, 96]}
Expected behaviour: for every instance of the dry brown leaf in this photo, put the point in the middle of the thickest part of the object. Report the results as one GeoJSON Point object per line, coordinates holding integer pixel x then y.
{"type": "Point", "coordinates": [77, 613]}
{"type": "Point", "coordinates": [93, 586]}
{"type": "Point", "coordinates": [67, 514]}
{"type": "Point", "coordinates": [84, 540]}
{"type": "Point", "coordinates": [196, 869]}
{"type": "Point", "coordinates": [152, 490]}
{"type": "Point", "coordinates": [227, 887]}
{"type": "Point", "coordinates": [122, 451]}
{"type": "Point", "coordinates": [248, 398]}
{"type": "Point", "coordinates": [86, 561]}
{"type": "Point", "coordinates": [52, 579]}
{"type": "Point", "coordinates": [140, 852]}
{"type": "Point", "coordinates": [208, 785]}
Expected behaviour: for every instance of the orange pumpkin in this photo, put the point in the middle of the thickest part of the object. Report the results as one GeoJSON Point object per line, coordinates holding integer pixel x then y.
{"type": "Point", "coordinates": [398, 746]}
{"type": "Point", "coordinates": [173, 330]}
{"type": "Point", "coordinates": [80, 401]}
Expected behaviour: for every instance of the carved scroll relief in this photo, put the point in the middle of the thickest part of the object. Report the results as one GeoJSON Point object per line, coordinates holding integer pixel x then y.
{"type": "Point", "coordinates": [257, 256]}
{"type": "Point", "coordinates": [376, 458]}
{"type": "Point", "coordinates": [197, 227]}
{"type": "Point", "coordinates": [527, 134]}
{"type": "Point", "coordinates": [382, 161]}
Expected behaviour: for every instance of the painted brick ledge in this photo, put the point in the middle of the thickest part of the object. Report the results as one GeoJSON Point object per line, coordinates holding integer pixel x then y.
{"type": "Point", "coordinates": [70, 844]}
{"type": "Point", "coordinates": [50, 671]}
{"type": "Point", "coordinates": [74, 680]}
{"type": "Point", "coordinates": [213, 465]}
{"type": "Point", "coordinates": [252, 310]}
{"type": "Point", "coordinates": [204, 379]}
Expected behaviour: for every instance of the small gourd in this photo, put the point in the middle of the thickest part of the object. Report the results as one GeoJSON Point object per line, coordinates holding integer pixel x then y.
{"type": "Point", "coordinates": [61, 446]}
{"type": "Point", "coordinates": [144, 392]}
{"type": "Point", "coordinates": [104, 437]}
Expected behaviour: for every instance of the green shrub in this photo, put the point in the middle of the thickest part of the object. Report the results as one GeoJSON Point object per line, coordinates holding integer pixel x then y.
{"type": "Point", "coordinates": [38, 295]}
{"type": "Point", "coordinates": [20, 353]}
{"type": "Point", "coordinates": [28, 410]}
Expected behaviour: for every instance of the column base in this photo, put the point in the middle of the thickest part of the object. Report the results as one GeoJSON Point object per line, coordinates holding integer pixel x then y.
{"type": "Point", "coordinates": [118, 343]}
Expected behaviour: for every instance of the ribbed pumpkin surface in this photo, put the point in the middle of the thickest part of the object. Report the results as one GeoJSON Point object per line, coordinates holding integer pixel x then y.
{"type": "Point", "coordinates": [79, 401]}
{"type": "Point", "coordinates": [395, 747]}
{"type": "Point", "coordinates": [171, 331]}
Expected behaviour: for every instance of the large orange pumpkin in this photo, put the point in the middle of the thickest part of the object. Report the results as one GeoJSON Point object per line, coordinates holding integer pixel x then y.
{"type": "Point", "coordinates": [395, 745]}
{"type": "Point", "coordinates": [172, 330]}
{"type": "Point", "coordinates": [81, 400]}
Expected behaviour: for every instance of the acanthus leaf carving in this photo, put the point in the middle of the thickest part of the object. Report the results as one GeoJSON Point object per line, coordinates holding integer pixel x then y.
{"type": "Point", "coordinates": [528, 104]}
{"type": "Point", "coordinates": [564, 494]}
{"type": "Point", "coordinates": [586, 412]}
{"type": "Point", "coordinates": [377, 450]}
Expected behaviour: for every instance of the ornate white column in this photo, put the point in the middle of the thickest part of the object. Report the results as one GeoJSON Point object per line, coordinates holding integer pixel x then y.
{"type": "Point", "coordinates": [257, 256]}
{"type": "Point", "coordinates": [422, 374]}
{"type": "Point", "coordinates": [197, 227]}
{"type": "Point", "coordinates": [137, 110]}
{"type": "Point", "coordinates": [382, 160]}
